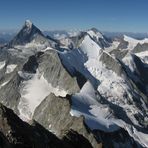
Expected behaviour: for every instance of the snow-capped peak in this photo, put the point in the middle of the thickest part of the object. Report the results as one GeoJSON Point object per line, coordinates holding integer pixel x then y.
{"type": "Point", "coordinates": [95, 33]}
{"type": "Point", "coordinates": [28, 23]}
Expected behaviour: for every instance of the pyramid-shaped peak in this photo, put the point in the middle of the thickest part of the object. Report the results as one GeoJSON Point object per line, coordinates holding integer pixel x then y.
{"type": "Point", "coordinates": [28, 23]}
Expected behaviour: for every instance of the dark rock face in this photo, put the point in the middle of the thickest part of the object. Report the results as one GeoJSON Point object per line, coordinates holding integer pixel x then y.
{"type": "Point", "coordinates": [53, 114]}
{"type": "Point", "coordinates": [116, 139]}
{"type": "Point", "coordinates": [31, 65]}
{"type": "Point", "coordinates": [142, 69]}
{"type": "Point", "coordinates": [25, 35]}
{"type": "Point", "coordinates": [141, 72]}
{"type": "Point", "coordinates": [14, 133]}
{"type": "Point", "coordinates": [76, 140]}
{"type": "Point", "coordinates": [28, 33]}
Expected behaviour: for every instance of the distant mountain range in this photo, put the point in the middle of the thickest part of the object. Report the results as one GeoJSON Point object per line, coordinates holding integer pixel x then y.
{"type": "Point", "coordinates": [6, 36]}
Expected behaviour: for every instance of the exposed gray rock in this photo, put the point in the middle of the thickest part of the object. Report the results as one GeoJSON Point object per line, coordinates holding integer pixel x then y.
{"type": "Point", "coordinates": [54, 114]}
{"type": "Point", "coordinates": [54, 72]}
{"type": "Point", "coordinates": [29, 33]}
{"type": "Point", "coordinates": [10, 92]}
{"type": "Point", "coordinates": [123, 44]}
{"type": "Point", "coordinates": [119, 54]}
{"type": "Point", "coordinates": [140, 48]}
{"type": "Point", "coordinates": [14, 133]}
{"type": "Point", "coordinates": [111, 63]}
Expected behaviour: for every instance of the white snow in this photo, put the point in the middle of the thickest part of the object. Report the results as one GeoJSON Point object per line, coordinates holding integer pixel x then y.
{"type": "Point", "coordinates": [65, 42]}
{"type": "Point", "coordinates": [90, 48]}
{"type": "Point", "coordinates": [115, 90]}
{"type": "Point", "coordinates": [85, 103]}
{"type": "Point", "coordinates": [33, 92]}
{"type": "Point", "coordinates": [128, 61]}
{"type": "Point", "coordinates": [100, 116]}
{"type": "Point", "coordinates": [46, 49]}
{"type": "Point", "coordinates": [75, 59]}
{"type": "Point", "coordinates": [2, 64]}
{"type": "Point", "coordinates": [133, 42]}
{"type": "Point", "coordinates": [97, 35]}
{"type": "Point", "coordinates": [4, 83]}
{"type": "Point", "coordinates": [10, 68]}
{"type": "Point", "coordinates": [138, 136]}
{"type": "Point", "coordinates": [28, 23]}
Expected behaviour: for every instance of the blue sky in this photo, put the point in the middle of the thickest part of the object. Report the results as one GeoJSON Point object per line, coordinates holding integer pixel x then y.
{"type": "Point", "coordinates": [106, 15]}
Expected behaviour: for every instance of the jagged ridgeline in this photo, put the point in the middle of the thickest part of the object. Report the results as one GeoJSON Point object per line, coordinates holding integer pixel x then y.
{"type": "Point", "coordinates": [74, 91]}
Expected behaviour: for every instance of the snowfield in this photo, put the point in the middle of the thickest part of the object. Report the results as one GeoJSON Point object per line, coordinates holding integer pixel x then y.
{"type": "Point", "coordinates": [113, 110]}
{"type": "Point", "coordinates": [33, 91]}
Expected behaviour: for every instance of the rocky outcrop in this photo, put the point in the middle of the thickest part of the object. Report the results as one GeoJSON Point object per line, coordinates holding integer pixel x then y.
{"type": "Point", "coordinates": [14, 133]}
{"type": "Point", "coordinates": [140, 48]}
{"type": "Point", "coordinates": [54, 114]}
{"type": "Point", "coordinates": [123, 45]}
{"type": "Point", "coordinates": [119, 54]}
{"type": "Point", "coordinates": [54, 72]}
{"type": "Point", "coordinates": [10, 91]}
{"type": "Point", "coordinates": [111, 63]}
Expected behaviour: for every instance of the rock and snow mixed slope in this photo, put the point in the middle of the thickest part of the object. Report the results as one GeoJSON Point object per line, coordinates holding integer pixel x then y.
{"type": "Point", "coordinates": [109, 92]}
{"type": "Point", "coordinates": [116, 107]}
{"type": "Point", "coordinates": [33, 92]}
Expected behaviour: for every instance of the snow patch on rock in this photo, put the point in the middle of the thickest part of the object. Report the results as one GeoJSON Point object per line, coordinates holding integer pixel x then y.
{"type": "Point", "coordinates": [2, 64]}
{"type": "Point", "coordinates": [33, 91]}
{"type": "Point", "coordinates": [10, 68]}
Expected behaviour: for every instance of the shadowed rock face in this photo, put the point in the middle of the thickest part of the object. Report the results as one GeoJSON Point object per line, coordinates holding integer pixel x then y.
{"type": "Point", "coordinates": [54, 114]}
{"type": "Point", "coordinates": [29, 33]}
{"type": "Point", "coordinates": [14, 133]}
{"type": "Point", "coordinates": [142, 69]}
{"type": "Point", "coordinates": [31, 65]}
{"type": "Point", "coordinates": [26, 35]}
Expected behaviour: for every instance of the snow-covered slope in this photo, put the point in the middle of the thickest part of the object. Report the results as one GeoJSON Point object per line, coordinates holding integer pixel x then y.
{"type": "Point", "coordinates": [96, 116]}
{"type": "Point", "coordinates": [34, 89]}
{"type": "Point", "coordinates": [133, 42]}
{"type": "Point", "coordinates": [102, 117]}
{"type": "Point", "coordinates": [99, 38]}
{"type": "Point", "coordinates": [116, 108]}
